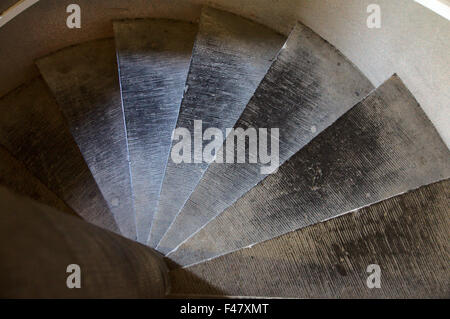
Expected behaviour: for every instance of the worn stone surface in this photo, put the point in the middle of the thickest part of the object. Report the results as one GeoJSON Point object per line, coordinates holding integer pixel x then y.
{"type": "Point", "coordinates": [37, 244]}
{"type": "Point", "coordinates": [33, 130]}
{"type": "Point", "coordinates": [153, 56]}
{"type": "Point", "coordinates": [308, 87]}
{"type": "Point", "coordinates": [382, 147]}
{"type": "Point", "coordinates": [84, 80]}
{"type": "Point", "coordinates": [16, 177]}
{"type": "Point", "coordinates": [231, 55]}
{"type": "Point", "coordinates": [407, 236]}
{"type": "Point", "coordinates": [410, 42]}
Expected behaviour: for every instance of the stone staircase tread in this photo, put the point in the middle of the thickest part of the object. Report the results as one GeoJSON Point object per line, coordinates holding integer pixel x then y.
{"type": "Point", "coordinates": [230, 57]}
{"type": "Point", "coordinates": [308, 87]}
{"type": "Point", "coordinates": [34, 131]}
{"type": "Point", "coordinates": [16, 177]}
{"type": "Point", "coordinates": [402, 235]}
{"type": "Point", "coordinates": [153, 57]}
{"type": "Point", "coordinates": [382, 147]}
{"type": "Point", "coordinates": [84, 81]}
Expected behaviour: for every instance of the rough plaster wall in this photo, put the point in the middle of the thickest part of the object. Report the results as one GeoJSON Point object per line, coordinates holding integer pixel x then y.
{"type": "Point", "coordinates": [412, 42]}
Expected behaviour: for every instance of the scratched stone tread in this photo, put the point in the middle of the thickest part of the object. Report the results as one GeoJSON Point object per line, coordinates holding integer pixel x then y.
{"type": "Point", "coordinates": [153, 57]}
{"type": "Point", "coordinates": [16, 177]}
{"type": "Point", "coordinates": [231, 55]}
{"type": "Point", "coordinates": [33, 130]}
{"type": "Point", "coordinates": [309, 85]}
{"type": "Point", "coordinates": [84, 80]}
{"type": "Point", "coordinates": [382, 147]}
{"type": "Point", "coordinates": [407, 236]}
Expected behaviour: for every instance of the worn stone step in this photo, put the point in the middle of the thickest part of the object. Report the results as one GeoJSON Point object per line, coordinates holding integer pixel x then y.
{"type": "Point", "coordinates": [17, 178]}
{"type": "Point", "coordinates": [230, 57]}
{"type": "Point", "coordinates": [406, 236]}
{"type": "Point", "coordinates": [84, 80]}
{"type": "Point", "coordinates": [34, 131]}
{"type": "Point", "coordinates": [309, 85]}
{"type": "Point", "coordinates": [382, 147]}
{"type": "Point", "coordinates": [153, 57]}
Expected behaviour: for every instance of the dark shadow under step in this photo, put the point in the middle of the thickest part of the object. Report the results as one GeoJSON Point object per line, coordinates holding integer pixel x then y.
{"type": "Point", "coordinates": [38, 243]}
{"type": "Point", "coordinates": [33, 130]}
{"type": "Point", "coordinates": [85, 83]}
{"type": "Point", "coordinates": [231, 55]}
{"type": "Point", "coordinates": [406, 236]}
{"type": "Point", "coordinates": [382, 147]}
{"type": "Point", "coordinates": [307, 88]}
{"type": "Point", "coordinates": [153, 57]}
{"type": "Point", "coordinates": [16, 177]}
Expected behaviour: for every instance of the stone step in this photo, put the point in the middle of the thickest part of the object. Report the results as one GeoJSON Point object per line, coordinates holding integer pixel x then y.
{"type": "Point", "coordinates": [85, 83]}
{"type": "Point", "coordinates": [231, 55]}
{"type": "Point", "coordinates": [406, 236]}
{"type": "Point", "coordinates": [308, 87]}
{"type": "Point", "coordinates": [153, 57]}
{"type": "Point", "coordinates": [34, 131]}
{"type": "Point", "coordinates": [382, 147]}
{"type": "Point", "coordinates": [17, 178]}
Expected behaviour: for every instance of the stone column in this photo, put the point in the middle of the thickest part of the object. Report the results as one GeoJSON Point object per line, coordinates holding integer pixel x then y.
{"type": "Point", "coordinates": [38, 243]}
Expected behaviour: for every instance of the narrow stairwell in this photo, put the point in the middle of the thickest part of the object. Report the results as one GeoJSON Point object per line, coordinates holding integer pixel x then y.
{"type": "Point", "coordinates": [348, 176]}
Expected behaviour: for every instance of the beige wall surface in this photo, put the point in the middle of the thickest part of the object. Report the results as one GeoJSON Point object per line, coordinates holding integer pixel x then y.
{"type": "Point", "coordinates": [412, 41]}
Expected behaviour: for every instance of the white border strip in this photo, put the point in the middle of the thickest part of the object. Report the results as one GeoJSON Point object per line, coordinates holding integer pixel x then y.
{"type": "Point", "coordinates": [441, 7]}
{"type": "Point", "coordinates": [15, 10]}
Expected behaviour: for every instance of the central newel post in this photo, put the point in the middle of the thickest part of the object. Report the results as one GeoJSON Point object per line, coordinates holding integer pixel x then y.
{"type": "Point", "coordinates": [48, 254]}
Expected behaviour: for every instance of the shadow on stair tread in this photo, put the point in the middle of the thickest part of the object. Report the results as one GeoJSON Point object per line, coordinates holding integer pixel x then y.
{"type": "Point", "coordinates": [34, 131]}
{"type": "Point", "coordinates": [382, 147]}
{"type": "Point", "coordinates": [230, 57]}
{"type": "Point", "coordinates": [16, 177]}
{"type": "Point", "coordinates": [84, 81]}
{"type": "Point", "coordinates": [309, 85]}
{"type": "Point", "coordinates": [405, 235]}
{"type": "Point", "coordinates": [153, 57]}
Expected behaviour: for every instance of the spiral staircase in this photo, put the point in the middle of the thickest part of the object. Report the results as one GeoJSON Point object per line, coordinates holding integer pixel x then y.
{"type": "Point", "coordinates": [87, 177]}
